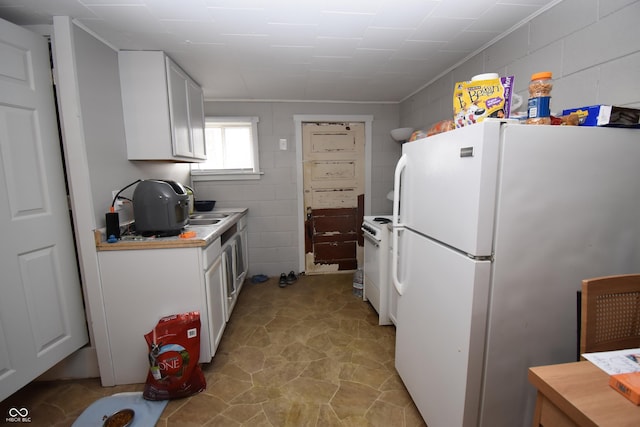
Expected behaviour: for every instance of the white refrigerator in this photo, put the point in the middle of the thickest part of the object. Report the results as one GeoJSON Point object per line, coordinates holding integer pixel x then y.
{"type": "Point", "coordinates": [495, 226]}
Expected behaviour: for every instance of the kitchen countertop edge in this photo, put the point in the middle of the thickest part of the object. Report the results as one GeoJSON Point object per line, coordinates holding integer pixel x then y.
{"type": "Point", "coordinates": [205, 235]}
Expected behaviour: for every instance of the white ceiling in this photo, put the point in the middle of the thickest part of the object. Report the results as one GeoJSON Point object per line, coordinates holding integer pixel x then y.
{"type": "Point", "coordinates": [340, 50]}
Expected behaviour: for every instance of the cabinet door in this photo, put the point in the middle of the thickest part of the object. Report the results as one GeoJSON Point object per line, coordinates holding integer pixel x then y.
{"type": "Point", "coordinates": [216, 305]}
{"type": "Point", "coordinates": [177, 81]}
{"type": "Point", "coordinates": [196, 120]}
{"type": "Point", "coordinates": [238, 258]}
{"type": "Point", "coordinates": [138, 288]}
{"type": "Point", "coordinates": [245, 250]}
{"type": "Point", "coordinates": [229, 282]}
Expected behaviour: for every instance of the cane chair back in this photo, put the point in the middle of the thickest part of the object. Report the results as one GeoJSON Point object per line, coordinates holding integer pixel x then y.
{"type": "Point", "coordinates": [610, 313]}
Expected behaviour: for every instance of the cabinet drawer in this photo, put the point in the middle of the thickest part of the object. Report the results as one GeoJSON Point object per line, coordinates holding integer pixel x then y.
{"type": "Point", "coordinates": [211, 253]}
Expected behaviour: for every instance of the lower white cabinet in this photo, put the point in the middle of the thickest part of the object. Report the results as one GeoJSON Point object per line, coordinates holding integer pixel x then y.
{"type": "Point", "coordinates": [234, 262]}
{"type": "Point", "coordinates": [229, 283]}
{"type": "Point", "coordinates": [242, 258]}
{"type": "Point", "coordinates": [139, 287]}
{"type": "Point", "coordinates": [216, 307]}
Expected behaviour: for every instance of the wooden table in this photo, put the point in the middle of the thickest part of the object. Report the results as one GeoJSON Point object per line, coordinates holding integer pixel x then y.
{"type": "Point", "coordinates": [578, 394]}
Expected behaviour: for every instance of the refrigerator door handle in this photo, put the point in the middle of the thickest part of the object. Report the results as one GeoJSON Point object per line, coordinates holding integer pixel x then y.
{"type": "Point", "coordinates": [394, 262]}
{"type": "Point", "coordinates": [400, 166]}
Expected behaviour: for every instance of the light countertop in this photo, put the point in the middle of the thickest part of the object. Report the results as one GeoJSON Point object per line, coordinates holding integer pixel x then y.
{"type": "Point", "coordinates": [204, 235]}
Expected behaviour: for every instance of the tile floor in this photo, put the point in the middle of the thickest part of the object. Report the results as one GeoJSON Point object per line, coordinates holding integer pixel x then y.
{"type": "Point", "coordinates": [310, 354]}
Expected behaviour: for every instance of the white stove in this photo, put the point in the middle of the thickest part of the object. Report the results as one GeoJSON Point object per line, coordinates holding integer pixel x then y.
{"type": "Point", "coordinates": [377, 238]}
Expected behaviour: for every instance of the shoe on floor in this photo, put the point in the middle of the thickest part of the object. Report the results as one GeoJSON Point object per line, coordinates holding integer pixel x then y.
{"type": "Point", "coordinates": [283, 280]}
{"type": "Point", "coordinates": [291, 278]}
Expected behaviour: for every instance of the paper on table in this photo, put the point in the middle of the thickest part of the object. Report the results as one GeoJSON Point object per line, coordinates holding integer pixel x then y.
{"type": "Point", "coordinates": [616, 362]}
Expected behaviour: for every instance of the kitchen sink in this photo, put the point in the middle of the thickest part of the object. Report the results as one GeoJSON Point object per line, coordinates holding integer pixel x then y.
{"type": "Point", "coordinates": [204, 221]}
{"type": "Point", "coordinates": [208, 215]}
{"type": "Point", "coordinates": [207, 218]}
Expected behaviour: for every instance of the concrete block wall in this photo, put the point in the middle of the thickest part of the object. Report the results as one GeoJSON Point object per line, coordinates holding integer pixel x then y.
{"type": "Point", "coordinates": [272, 200]}
{"type": "Point", "coordinates": [591, 46]}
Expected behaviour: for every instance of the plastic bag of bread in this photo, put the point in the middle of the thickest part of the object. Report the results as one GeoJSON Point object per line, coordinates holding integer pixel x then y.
{"type": "Point", "coordinates": [441, 126]}
{"type": "Point", "coordinates": [417, 134]}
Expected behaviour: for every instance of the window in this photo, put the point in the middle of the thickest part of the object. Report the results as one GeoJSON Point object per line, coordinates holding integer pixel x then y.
{"type": "Point", "coordinates": [232, 149]}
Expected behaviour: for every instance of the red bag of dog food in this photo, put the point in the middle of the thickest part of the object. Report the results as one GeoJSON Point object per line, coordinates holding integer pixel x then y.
{"type": "Point", "coordinates": [174, 350]}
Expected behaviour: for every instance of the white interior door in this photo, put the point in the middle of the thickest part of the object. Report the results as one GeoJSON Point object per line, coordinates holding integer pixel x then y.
{"type": "Point", "coordinates": [41, 312]}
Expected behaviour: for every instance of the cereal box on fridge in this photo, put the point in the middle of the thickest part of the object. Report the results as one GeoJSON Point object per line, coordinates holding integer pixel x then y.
{"type": "Point", "coordinates": [475, 100]}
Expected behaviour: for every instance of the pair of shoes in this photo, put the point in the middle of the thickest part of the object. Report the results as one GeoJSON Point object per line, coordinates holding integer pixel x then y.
{"type": "Point", "coordinates": [283, 280]}
{"type": "Point", "coordinates": [291, 278]}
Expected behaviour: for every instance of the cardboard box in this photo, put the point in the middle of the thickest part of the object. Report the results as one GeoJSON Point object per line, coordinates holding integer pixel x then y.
{"type": "Point", "coordinates": [607, 115]}
{"type": "Point", "coordinates": [476, 100]}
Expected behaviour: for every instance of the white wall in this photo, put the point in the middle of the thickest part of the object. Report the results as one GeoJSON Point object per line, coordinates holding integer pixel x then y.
{"type": "Point", "coordinates": [103, 125]}
{"type": "Point", "coordinates": [272, 200]}
{"type": "Point", "coordinates": [591, 46]}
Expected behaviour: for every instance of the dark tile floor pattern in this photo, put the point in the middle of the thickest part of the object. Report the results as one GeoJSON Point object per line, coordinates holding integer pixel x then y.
{"type": "Point", "coordinates": [310, 354]}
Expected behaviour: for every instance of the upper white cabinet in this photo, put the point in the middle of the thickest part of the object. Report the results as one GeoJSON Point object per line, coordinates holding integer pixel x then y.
{"type": "Point", "coordinates": [196, 118]}
{"type": "Point", "coordinates": [163, 108]}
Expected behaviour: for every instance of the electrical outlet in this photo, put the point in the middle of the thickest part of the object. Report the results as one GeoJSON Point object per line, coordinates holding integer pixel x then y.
{"type": "Point", "coordinates": [283, 144]}
{"type": "Point", "coordinates": [119, 203]}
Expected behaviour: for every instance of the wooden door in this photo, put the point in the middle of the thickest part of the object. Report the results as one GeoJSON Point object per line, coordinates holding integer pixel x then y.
{"type": "Point", "coordinates": [41, 312]}
{"type": "Point", "coordinates": [333, 170]}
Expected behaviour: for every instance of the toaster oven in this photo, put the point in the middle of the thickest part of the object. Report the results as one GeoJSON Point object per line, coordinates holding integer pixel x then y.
{"type": "Point", "coordinates": [160, 207]}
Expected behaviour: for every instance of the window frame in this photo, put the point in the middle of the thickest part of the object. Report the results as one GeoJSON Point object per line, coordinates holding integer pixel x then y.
{"type": "Point", "coordinates": [198, 174]}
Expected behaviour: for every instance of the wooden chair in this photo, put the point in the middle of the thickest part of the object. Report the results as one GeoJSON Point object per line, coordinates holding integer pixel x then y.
{"type": "Point", "coordinates": [610, 313]}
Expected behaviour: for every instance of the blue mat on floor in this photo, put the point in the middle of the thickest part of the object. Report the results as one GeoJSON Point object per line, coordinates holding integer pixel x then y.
{"type": "Point", "coordinates": [147, 412]}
